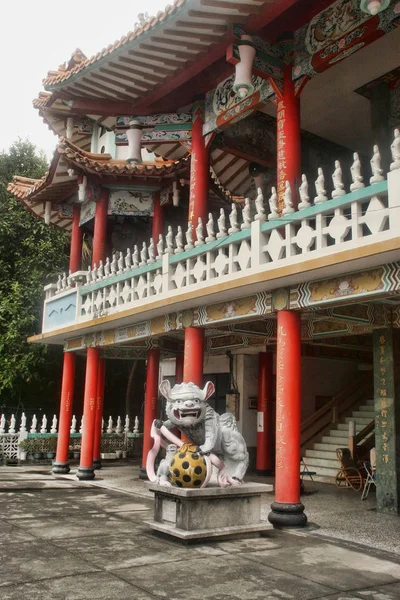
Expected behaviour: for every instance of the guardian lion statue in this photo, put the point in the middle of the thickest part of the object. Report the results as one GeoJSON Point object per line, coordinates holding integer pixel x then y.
{"type": "Point", "coordinates": [188, 410]}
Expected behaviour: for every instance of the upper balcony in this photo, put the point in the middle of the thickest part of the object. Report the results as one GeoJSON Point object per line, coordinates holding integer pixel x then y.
{"type": "Point", "coordinates": [236, 255]}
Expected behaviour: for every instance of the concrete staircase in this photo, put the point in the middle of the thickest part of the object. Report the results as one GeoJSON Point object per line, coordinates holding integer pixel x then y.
{"type": "Point", "coordinates": [321, 457]}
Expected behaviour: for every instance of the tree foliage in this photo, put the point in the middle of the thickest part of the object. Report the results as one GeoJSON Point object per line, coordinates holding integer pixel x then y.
{"type": "Point", "coordinates": [30, 254]}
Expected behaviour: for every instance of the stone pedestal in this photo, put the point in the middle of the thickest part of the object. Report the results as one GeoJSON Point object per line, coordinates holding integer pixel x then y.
{"type": "Point", "coordinates": [190, 514]}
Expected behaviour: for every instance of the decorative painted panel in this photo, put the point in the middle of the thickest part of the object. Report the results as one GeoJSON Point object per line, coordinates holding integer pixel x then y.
{"type": "Point", "coordinates": [174, 127]}
{"type": "Point", "coordinates": [88, 209]}
{"type": "Point", "coordinates": [364, 284]}
{"type": "Point", "coordinates": [164, 135]}
{"type": "Point", "coordinates": [134, 203]}
{"type": "Point", "coordinates": [337, 32]}
{"type": "Point", "coordinates": [154, 120]}
{"type": "Point", "coordinates": [60, 311]}
{"type": "Point", "coordinates": [224, 107]}
{"type": "Point", "coordinates": [84, 125]}
{"type": "Point", "coordinates": [65, 210]}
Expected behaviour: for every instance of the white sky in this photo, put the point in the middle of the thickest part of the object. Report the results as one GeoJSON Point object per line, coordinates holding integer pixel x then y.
{"type": "Point", "coordinates": [39, 35]}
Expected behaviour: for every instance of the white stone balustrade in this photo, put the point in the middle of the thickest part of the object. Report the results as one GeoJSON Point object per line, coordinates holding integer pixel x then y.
{"type": "Point", "coordinates": [11, 424]}
{"type": "Point", "coordinates": [247, 241]}
{"type": "Point", "coordinates": [14, 429]}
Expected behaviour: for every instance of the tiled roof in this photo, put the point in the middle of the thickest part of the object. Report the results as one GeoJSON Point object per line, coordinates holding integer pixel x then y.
{"type": "Point", "coordinates": [48, 188]}
{"type": "Point", "coordinates": [105, 164]}
{"type": "Point", "coordinates": [41, 190]}
{"type": "Point", "coordinates": [42, 99]}
{"type": "Point", "coordinates": [64, 73]}
{"type": "Point", "coordinates": [188, 35]}
{"type": "Point", "coordinates": [22, 187]}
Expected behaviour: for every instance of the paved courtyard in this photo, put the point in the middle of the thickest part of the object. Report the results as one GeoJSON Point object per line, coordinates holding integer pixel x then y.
{"type": "Point", "coordinates": [65, 540]}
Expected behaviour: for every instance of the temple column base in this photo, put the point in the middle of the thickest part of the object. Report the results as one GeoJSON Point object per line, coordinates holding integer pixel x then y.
{"type": "Point", "coordinates": [143, 473]}
{"type": "Point", "coordinates": [85, 473]}
{"type": "Point", "coordinates": [97, 463]}
{"type": "Point", "coordinates": [287, 514]}
{"type": "Point", "coordinates": [264, 472]}
{"type": "Point", "coordinates": [60, 468]}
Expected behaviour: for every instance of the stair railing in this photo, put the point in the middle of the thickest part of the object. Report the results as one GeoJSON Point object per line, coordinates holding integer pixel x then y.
{"type": "Point", "coordinates": [332, 411]}
{"type": "Point", "coordinates": [361, 443]}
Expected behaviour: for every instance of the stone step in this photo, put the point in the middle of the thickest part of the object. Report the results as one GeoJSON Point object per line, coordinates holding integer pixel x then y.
{"type": "Point", "coordinates": [327, 454]}
{"type": "Point", "coordinates": [325, 447]}
{"type": "Point", "coordinates": [341, 427]}
{"type": "Point", "coordinates": [338, 433]}
{"type": "Point", "coordinates": [344, 427]}
{"type": "Point", "coordinates": [364, 414]}
{"type": "Point", "coordinates": [339, 442]}
{"type": "Point", "coordinates": [369, 410]}
{"type": "Point", "coordinates": [359, 420]}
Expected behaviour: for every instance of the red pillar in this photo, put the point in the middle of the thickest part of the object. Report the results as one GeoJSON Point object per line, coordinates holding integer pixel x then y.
{"type": "Point", "coordinates": [288, 130]}
{"type": "Point", "coordinates": [99, 414]}
{"type": "Point", "coordinates": [61, 465]}
{"type": "Point", "coordinates": [86, 470]}
{"type": "Point", "coordinates": [199, 169]}
{"type": "Point", "coordinates": [157, 225]}
{"type": "Point", "coordinates": [193, 356]}
{"type": "Point", "coordinates": [100, 228]}
{"type": "Point", "coordinates": [264, 413]}
{"type": "Point", "coordinates": [151, 400]}
{"type": "Point", "coordinates": [75, 256]}
{"type": "Point", "coordinates": [287, 510]}
{"type": "Point", "coordinates": [179, 368]}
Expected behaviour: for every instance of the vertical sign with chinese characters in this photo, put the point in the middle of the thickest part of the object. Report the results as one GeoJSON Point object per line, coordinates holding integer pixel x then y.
{"type": "Point", "coordinates": [281, 150]}
{"type": "Point", "coordinates": [387, 493]}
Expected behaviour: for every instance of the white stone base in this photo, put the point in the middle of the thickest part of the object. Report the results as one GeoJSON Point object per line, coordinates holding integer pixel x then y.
{"type": "Point", "coordinates": [190, 514]}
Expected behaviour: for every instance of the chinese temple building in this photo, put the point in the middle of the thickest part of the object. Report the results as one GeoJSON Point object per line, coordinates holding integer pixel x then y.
{"type": "Point", "coordinates": [237, 167]}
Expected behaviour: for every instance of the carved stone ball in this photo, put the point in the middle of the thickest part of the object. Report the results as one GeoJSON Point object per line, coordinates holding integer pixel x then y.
{"type": "Point", "coordinates": [188, 468]}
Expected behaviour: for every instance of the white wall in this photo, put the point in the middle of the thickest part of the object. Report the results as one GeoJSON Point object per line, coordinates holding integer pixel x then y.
{"type": "Point", "coordinates": [212, 365]}
{"type": "Point", "coordinates": [323, 377]}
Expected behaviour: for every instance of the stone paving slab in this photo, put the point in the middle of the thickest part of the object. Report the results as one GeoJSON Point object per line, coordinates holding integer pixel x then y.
{"type": "Point", "coordinates": [75, 526]}
{"type": "Point", "coordinates": [11, 534]}
{"type": "Point", "coordinates": [339, 567]}
{"type": "Point", "coordinates": [92, 586]}
{"type": "Point", "coordinates": [384, 592]}
{"type": "Point", "coordinates": [83, 542]}
{"type": "Point", "coordinates": [35, 560]}
{"type": "Point", "coordinates": [135, 550]}
{"type": "Point", "coordinates": [226, 578]}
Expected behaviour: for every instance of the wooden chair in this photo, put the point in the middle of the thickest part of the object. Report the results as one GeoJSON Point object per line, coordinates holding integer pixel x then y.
{"type": "Point", "coordinates": [350, 474]}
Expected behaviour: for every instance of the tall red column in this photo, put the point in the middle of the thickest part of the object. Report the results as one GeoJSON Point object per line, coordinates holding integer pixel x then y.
{"type": "Point", "coordinates": [264, 413]}
{"type": "Point", "coordinates": [157, 226]}
{"type": "Point", "coordinates": [287, 510]}
{"type": "Point", "coordinates": [86, 470]}
{"type": "Point", "coordinates": [179, 368]}
{"type": "Point", "coordinates": [100, 228]}
{"type": "Point", "coordinates": [99, 414]}
{"type": "Point", "coordinates": [288, 129]}
{"type": "Point", "coordinates": [151, 400]}
{"type": "Point", "coordinates": [193, 356]}
{"type": "Point", "coordinates": [61, 464]}
{"type": "Point", "coordinates": [75, 256]}
{"type": "Point", "coordinates": [199, 169]}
